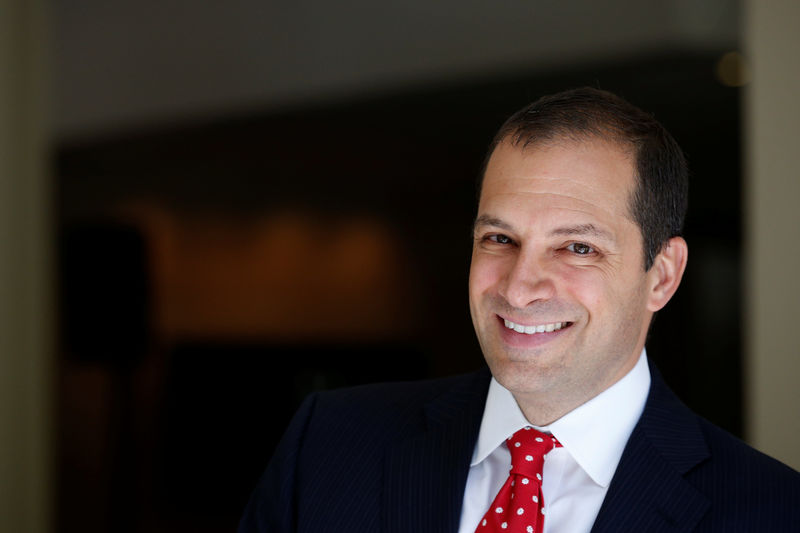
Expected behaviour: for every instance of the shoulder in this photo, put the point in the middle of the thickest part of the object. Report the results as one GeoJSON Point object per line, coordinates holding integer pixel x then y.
{"type": "Point", "coordinates": [673, 427]}
{"type": "Point", "coordinates": [746, 488]}
{"type": "Point", "coordinates": [393, 394]}
{"type": "Point", "coordinates": [742, 485]}
{"type": "Point", "coordinates": [387, 407]}
{"type": "Point", "coordinates": [327, 468]}
{"type": "Point", "coordinates": [741, 463]}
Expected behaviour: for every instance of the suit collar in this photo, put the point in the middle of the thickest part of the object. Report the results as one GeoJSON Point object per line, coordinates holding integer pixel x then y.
{"type": "Point", "coordinates": [595, 433]}
{"type": "Point", "coordinates": [425, 473]}
{"type": "Point", "coordinates": [648, 491]}
{"type": "Point", "coordinates": [672, 427]}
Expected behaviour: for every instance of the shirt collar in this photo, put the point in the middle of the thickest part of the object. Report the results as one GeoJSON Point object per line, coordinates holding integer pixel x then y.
{"type": "Point", "coordinates": [594, 433]}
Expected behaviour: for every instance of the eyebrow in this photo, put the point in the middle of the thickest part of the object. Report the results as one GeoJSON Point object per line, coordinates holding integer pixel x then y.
{"type": "Point", "coordinates": [488, 220]}
{"type": "Point", "coordinates": [583, 229]}
{"type": "Point", "coordinates": [579, 229]}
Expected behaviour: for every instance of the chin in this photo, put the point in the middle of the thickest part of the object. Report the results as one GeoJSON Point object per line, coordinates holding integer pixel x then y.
{"type": "Point", "coordinates": [521, 375]}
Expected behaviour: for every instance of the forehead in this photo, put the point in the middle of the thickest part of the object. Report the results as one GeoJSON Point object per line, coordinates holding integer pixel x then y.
{"type": "Point", "coordinates": [591, 176]}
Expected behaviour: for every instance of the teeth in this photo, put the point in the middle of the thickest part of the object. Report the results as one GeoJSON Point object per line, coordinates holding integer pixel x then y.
{"type": "Point", "coordinates": [530, 330]}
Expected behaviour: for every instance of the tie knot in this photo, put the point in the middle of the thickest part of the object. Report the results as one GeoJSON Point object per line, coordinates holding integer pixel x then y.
{"type": "Point", "coordinates": [528, 448]}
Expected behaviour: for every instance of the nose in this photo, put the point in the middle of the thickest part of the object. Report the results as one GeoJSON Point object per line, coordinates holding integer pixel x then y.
{"type": "Point", "coordinates": [528, 280]}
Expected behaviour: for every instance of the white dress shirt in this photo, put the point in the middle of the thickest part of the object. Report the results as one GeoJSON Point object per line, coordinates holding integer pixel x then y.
{"type": "Point", "coordinates": [575, 476]}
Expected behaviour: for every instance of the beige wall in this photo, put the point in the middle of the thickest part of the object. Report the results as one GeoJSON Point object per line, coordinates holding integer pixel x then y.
{"type": "Point", "coordinates": [772, 250]}
{"type": "Point", "coordinates": [25, 298]}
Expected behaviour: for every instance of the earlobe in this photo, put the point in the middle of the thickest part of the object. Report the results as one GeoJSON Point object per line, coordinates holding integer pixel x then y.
{"type": "Point", "coordinates": [667, 272]}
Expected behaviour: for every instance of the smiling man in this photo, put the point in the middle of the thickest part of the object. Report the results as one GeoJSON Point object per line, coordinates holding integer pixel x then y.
{"type": "Point", "coordinates": [577, 243]}
{"type": "Point", "coordinates": [559, 293]}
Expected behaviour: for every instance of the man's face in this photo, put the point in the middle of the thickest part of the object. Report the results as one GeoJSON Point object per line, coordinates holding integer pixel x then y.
{"type": "Point", "coordinates": [555, 249]}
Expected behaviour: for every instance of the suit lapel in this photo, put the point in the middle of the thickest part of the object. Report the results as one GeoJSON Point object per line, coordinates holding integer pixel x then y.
{"type": "Point", "coordinates": [425, 474]}
{"type": "Point", "coordinates": [648, 491]}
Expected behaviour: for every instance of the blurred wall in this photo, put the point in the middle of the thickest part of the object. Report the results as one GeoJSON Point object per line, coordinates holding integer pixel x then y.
{"type": "Point", "coordinates": [131, 62]}
{"type": "Point", "coordinates": [25, 296]}
{"type": "Point", "coordinates": [122, 64]}
{"type": "Point", "coordinates": [772, 254]}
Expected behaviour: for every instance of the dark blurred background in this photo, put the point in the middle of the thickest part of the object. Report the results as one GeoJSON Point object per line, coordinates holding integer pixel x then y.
{"type": "Point", "coordinates": [255, 201]}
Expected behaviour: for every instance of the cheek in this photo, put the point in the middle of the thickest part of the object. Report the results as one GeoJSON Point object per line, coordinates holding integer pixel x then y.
{"type": "Point", "coordinates": [477, 284]}
{"type": "Point", "coordinates": [484, 273]}
{"type": "Point", "coordinates": [586, 285]}
{"type": "Point", "coordinates": [616, 297]}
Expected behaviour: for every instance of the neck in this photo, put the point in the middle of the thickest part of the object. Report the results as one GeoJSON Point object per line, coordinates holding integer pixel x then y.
{"type": "Point", "coordinates": [541, 412]}
{"type": "Point", "coordinates": [542, 408]}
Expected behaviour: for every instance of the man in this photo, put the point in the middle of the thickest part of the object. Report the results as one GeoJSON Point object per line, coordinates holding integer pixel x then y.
{"type": "Point", "coordinates": [577, 243]}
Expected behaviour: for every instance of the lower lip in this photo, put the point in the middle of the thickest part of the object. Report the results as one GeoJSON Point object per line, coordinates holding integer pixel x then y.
{"type": "Point", "coordinates": [524, 340]}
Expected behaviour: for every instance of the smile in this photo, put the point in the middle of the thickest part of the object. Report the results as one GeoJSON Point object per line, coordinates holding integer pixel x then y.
{"type": "Point", "coordinates": [530, 330]}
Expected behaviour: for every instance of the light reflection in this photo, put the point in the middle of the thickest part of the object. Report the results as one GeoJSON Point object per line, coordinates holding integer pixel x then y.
{"type": "Point", "coordinates": [733, 70]}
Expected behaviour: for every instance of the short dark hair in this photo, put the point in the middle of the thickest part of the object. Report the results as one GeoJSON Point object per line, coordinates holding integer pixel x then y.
{"type": "Point", "coordinates": [660, 197]}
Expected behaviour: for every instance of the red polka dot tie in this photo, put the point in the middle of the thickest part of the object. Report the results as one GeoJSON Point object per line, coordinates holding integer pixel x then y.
{"type": "Point", "coordinates": [519, 506]}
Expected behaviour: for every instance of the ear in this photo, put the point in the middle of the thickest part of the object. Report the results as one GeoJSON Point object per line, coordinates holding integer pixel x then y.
{"type": "Point", "coordinates": [666, 273]}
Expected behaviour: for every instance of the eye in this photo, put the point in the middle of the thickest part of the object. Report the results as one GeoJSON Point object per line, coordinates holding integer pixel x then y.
{"type": "Point", "coordinates": [580, 248]}
{"type": "Point", "coordinates": [499, 238]}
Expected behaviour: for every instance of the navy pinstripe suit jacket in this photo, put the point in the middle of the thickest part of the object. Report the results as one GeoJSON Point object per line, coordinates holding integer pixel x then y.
{"type": "Point", "coordinates": [395, 457]}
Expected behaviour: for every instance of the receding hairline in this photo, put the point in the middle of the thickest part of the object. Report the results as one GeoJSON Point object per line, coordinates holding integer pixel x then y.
{"type": "Point", "coordinates": [518, 139]}
{"type": "Point", "coordinates": [579, 138]}
{"type": "Point", "coordinates": [658, 200]}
